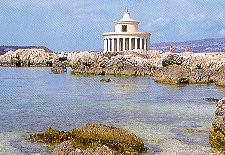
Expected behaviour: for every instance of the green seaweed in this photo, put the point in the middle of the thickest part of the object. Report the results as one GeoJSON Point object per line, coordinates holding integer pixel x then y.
{"type": "Point", "coordinates": [92, 136]}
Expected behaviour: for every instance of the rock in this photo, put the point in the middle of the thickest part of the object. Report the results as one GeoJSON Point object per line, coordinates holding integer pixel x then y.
{"type": "Point", "coordinates": [102, 72]}
{"type": "Point", "coordinates": [100, 138]}
{"type": "Point", "coordinates": [194, 130]}
{"type": "Point", "coordinates": [172, 59]}
{"type": "Point", "coordinates": [51, 137]}
{"type": "Point", "coordinates": [27, 58]}
{"type": "Point", "coordinates": [217, 132]}
{"type": "Point", "coordinates": [182, 81]}
{"type": "Point", "coordinates": [64, 148]}
{"type": "Point", "coordinates": [105, 80]}
{"type": "Point", "coordinates": [211, 99]}
{"type": "Point", "coordinates": [111, 63]}
{"type": "Point", "coordinates": [59, 67]}
{"type": "Point", "coordinates": [164, 67]}
{"type": "Point", "coordinates": [104, 150]}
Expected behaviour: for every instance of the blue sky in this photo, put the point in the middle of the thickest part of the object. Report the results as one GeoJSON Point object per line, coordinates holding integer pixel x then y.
{"type": "Point", "coordinates": [71, 25]}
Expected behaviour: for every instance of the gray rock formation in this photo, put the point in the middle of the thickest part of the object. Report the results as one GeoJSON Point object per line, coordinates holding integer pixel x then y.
{"type": "Point", "coordinates": [116, 63]}
{"type": "Point", "coordinates": [195, 68]}
{"type": "Point", "coordinates": [172, 59]}
{"type": "Point", "coordinates": [164, 67]}
{"type": "Point", "coordinates": [27, 58]}
{"type": "Point", "coordinates": [66, 148]}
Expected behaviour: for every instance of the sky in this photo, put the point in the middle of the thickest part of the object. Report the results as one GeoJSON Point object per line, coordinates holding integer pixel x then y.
{"type": "Point", "coordinates": [77, 25]}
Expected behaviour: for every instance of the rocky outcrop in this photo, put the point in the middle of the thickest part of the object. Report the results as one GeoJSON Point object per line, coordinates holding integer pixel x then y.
{"type": "Point", "coordinates": [27, 58]}
{"type": "Point", "coordinates": [195, 68]}
{"type": "Point", "coordinates": [95, 137]}
{"type": "Point", "coordinates": [59, 67]}
{"type": "Point", "coordinates": [217, 132]}
{"type": "Point", "coordinates": [172, 59]}
{"type": "Point", "coordinates": [164, 67]}
{"type": "Point", "coordinates": [137, 63]}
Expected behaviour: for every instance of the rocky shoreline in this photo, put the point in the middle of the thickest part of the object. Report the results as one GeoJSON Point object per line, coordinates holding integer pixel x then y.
{"type": "Point", "coordinates": [28, 58]}
{"type": "Point", "coordinates": [163, 67]}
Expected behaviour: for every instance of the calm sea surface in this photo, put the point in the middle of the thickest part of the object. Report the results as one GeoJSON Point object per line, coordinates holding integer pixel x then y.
{"type": "Point", "coordinates": [32, 99]}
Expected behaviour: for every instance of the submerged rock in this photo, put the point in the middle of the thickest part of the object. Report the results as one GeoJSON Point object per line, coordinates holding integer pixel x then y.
{"type": "Point", "coordinates": [182, 81]}
{"type": "Point", "coordinates": [209, 99]}
{"type": "Point", "coordinates": [217, 132]}
{"type": "Point", "coordinates": [105, 80]}
{"type": "Point", "coordinates": [93, 136]}
{"type": "Point", "coordinates": [194, 130]}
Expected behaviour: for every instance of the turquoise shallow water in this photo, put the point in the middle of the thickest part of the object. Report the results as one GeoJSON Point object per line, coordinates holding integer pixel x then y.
{"type": "Point", "coordinates": [31, 99]}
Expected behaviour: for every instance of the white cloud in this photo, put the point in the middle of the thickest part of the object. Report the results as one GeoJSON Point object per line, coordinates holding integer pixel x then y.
{"type": "Point", "coordinates": [183, 31]}
{"type": "Point", "coordinates": [221, 17]}
{"type": "Point", "coordinates": [222, 32]}
{"type": "Point", "coordinates": [198, 17]}
{"type": "Point", "coordinates": [161, 21]}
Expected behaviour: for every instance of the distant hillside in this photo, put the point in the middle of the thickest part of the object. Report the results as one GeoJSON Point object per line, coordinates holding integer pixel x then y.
{"type": "Point", "coordinates": [204, 45]}
{"type": "Point", "coordinates": [4, 49]}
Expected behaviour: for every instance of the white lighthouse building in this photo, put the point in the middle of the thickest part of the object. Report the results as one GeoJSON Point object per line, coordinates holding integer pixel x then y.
{"type": "Point", "coordinates": [126, 36]}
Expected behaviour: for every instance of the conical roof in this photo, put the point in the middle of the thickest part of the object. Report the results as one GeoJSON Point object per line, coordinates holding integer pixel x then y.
{"type": "Point", "coordinates": [126, 16]}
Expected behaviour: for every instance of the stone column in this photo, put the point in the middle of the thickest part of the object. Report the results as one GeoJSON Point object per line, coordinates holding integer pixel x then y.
{"type": "Point", "coordinates": [109, 45]}
{"type": "Point", "coordinates": [118, 44]}
{"type": "Point", "coordinates": [148, 44]}
{"type": "Point", "coordinates": [136, 43]}
{"type": "Point", "coordinates": [113, 45]}
{"type": "Point", "coordinates": [141, 39]}
{"type": "Point", "coordinates": [124, 43]}
{"type": "Point", "coordinates": [145, 46]}
{"type": "Point", "coordinates": [105, 44]}
{"type": "Point", "coordinates": [130, 44]}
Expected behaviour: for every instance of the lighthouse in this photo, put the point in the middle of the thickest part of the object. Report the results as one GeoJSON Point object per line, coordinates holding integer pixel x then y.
{"type": "Point", "coordinates": [126, 36]}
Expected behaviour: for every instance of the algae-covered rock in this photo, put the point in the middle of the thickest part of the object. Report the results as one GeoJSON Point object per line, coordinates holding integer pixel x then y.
{"type": "Point", "coordinates": [182, 81]}
{"type": "Point", "coordinates": [94, 136]}
{"type": "Point", "coordinates": [217, 132]}
{"type": "Point", "coordinates": [105, 80]}
{"type": "Point", "coordinates": [210, 99]}
{"type": "Point", "coordinates": [193, 130]}
{"type": "Point", "coordinates": [51, 137]}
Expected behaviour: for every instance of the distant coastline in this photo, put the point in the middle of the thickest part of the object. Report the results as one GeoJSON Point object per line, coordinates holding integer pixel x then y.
{"type": "Point", "coordinates": [203, 45]}
{"type": "Point", "coordinates": [4, 49]}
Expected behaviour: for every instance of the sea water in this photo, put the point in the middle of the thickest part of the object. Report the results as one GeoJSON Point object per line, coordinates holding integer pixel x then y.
{"type": "Point", "coordinates": [33, 99]}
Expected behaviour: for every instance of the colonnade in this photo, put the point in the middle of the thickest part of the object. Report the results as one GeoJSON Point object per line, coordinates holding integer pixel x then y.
{"type": "Point", "coordinates": [128, 43]}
